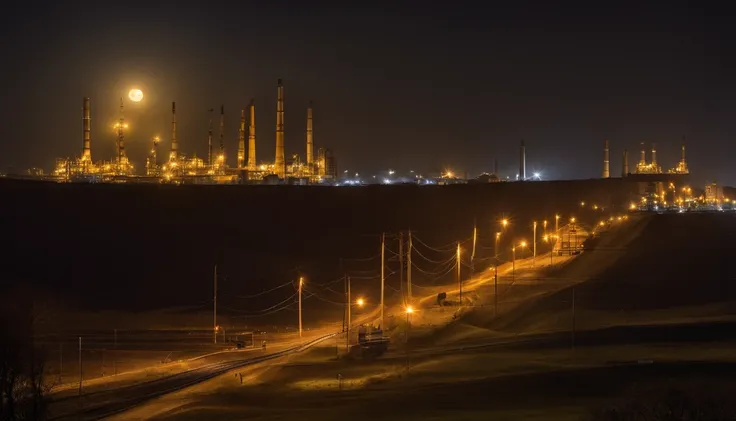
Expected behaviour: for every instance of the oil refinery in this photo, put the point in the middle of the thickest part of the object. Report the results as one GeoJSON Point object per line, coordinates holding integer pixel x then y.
{"type": "Point", "coordinates": [183, 169]}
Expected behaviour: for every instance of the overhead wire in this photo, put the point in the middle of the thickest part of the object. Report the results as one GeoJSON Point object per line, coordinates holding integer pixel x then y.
{"type": "Point", "coordinates": [263, 292]}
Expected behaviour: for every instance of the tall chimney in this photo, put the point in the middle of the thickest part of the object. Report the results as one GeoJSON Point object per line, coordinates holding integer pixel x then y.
{"type": "Point", "coordinates": [310, 139]}
{"type": "Point", "coordinates": [654, 155]}
{"type": "Point", "coordinates": [121, 136]}
{"type": "Point", "coordinates": [241, 140]}
{"type": "Point", "coordinates": [222, 131]}
{"type": "Point", "coordinates": [252, 137]}
{"type": "Point", "coordinates": [522, 162]}
{"type": "Point", "coordinates": [209, 140]}
{"type": "Point", "coordinates": [86, 128]}
{"type": "Point", "coordinates": [643, 158]}
{"type": "Point", "coordinates": [279, 163]}
{"type": "Point", "coordinates": [683, 151]}
{"type": "Point", "coordinates": [173, 155]}
{"type": "Point", "coordinates": [606, 162]}
{"type": "Point", "coordinates": [625, 164]}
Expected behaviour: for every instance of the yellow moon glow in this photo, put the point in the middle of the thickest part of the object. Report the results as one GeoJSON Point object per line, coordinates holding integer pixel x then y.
{"type": "Point", "coordinates": [135, 95]}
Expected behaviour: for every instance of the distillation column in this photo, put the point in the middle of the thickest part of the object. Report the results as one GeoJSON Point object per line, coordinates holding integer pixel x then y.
{"type": "Point", "coordinates": [209, 141]}
{"type": "Point", "coordinates": [606, 162]}
{"type": "Point", "coordinates": [252, 137]}
{"type": "Point", "coordinates": [86, 129]}
{"type": "Point", "coordinates": [310, 139]}
{"type": "Point", "coordinates": [221, 156]}
{"type": "Point", "coordinates": [522, 162]}
{"type": "Point", "coordinates": [643, 157]}
{"type": "Point", "coordinates": [174, 143]}
{"type": "Point", "coordinates": [654, 157]}
{"type": "Point", "coordinates": [279, 163]}
{"type": "Point", "coordinates": [625, 164]}
{"type": "Point", "coordinates": [121, 138]}
{"type": "Point", "coordinates": [241, 140]}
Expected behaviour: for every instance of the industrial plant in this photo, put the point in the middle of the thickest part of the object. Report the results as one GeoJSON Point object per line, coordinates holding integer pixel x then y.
{"type": "Point", "coordinates": [182, 169]}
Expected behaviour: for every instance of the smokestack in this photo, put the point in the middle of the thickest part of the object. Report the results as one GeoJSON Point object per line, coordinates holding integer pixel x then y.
{"type": "Point", "coordinates": [522, 162]}
{"type": "Point", "coordinates": [121, 136]}
{"type": "Point", "coordinates": [86, 128]}
{"type": "Point", "coordinates": [606, 162]}
{"type": "Point", "coordinates": [209, 140]}
{"type": "Point", "coordinates": [683, 152]}
{"type": "Point", "coordinates": [222, 130]}
{"type": "Point", "coordinates": [654, 155]}
{"type": "Point", "coordinates": [643, 159]}
{"type": "Point", "coordinates": [625, 164]}
{"type": "Point", "coordinates": [310, 141]}
{"type": "Point", "coordinates": [252, 137]}
{"type": "Point", "coordinates": [279, 163]}
{"type": "Point", "coordinates": [241, 140]}
{"type": "Point", "coordinates": [173, 155]}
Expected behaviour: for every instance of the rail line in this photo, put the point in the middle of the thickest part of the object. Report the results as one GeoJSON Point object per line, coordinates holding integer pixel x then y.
{"type": "Point", "coordinates": [144, 392]}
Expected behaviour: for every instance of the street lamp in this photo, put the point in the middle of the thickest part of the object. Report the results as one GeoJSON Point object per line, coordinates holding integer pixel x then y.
{"type": "Point", "coordinates": [360, 302]}
{"type": "Point", "coordinates": [513, 259]}
{"type": "Point", "coordinates": [495, 246]}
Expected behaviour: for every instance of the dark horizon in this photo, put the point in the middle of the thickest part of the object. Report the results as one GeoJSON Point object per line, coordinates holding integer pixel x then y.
{"type": "Point", "coordinates": [406, 87]}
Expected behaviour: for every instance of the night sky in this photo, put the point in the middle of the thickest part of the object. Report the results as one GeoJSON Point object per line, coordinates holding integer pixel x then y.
{"type": "Point", "coordinates": [422, 86]}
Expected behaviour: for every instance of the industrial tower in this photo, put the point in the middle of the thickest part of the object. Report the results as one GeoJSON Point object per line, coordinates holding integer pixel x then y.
{"type": "Point", "coordinates": [241, 140]}
{"type": "Point", "coordinates": [86, 128]}
{"type": "Point", "coordinates": [174, 143]}
{"type": "Point", "coordinates": [606, 162]}
{"type": "Point", "coordinates": [310, 139]}
{"type": "Point", "coordinates": [252, 137]}
{"type": "Point", "coordinates": [280, 163]}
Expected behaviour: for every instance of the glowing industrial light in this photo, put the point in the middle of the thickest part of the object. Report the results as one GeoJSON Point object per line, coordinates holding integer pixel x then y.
{"type": "Point", "coordinates": [135, 95]}
{"type": "Point", "coordinates": [386, 181]}
{"type": "Point", "coordinates": [409, 310]}
{"type": "Point", "coordinates": [360, 302]}
{"type": "Point", "coordinates": [537, 176]}
{"type": "Point", "coordinates": [522, 244]}
{"type": "Point", "coordinates": [572, 219]}
{"type": "Point", "coordinates": [391, 172]}
{"type": "Point", "coordinates": [505, 222]}
{"type": "Point", "coordinates": [602, 223]}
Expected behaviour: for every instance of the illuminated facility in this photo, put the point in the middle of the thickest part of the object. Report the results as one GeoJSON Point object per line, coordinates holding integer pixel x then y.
{"type": "Point", "coordinates": [180, 168]}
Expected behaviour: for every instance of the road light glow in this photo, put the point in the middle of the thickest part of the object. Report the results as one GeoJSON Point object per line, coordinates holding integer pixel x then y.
{"type": "Point", "coordinates": [504, 222]}
{"type": "Point", "coordinates": [360, 302]}
{"type": "Point", "coordinates": [409, 310]}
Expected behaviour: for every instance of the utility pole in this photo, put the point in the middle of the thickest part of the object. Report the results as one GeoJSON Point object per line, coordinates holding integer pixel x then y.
{"type": "Point", "coordinates": [475, 240]}
{"type": "Point", "coordinates": [408, 269]}
{"type": "Point", "coordinates": [301, 283]}
{"type": "Point", "coordinates": [115, 353]}
{"type": "Point", "coordinates": [401, 265]}
{"type": "Point", "coordinates": [347, 337]}
{"type": "Point", "coordinates": [534, 255]}
{"type": "Point", "coordinates": [383, 255]}
{"type": "Point", "coordinates": [214, 312]}
{"type": "Point", "coordinates": [345, 290]}
{"type": "Point", "coordinates": [80, 366]}
{"type": "Point", "coordinates": [459, 280]}
{"type": "Point", "coordinates": [495, 292]}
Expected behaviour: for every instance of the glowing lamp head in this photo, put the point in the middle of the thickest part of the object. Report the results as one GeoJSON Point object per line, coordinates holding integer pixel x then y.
{"type": "Point", "coordinates": [360, 302]}
{"type": "Point", "coordinates": [135, 95]}
{"type": "Point", "coordinates": [504, 222]}
{"type": "Point", "coordinates": [409, 310]}
{"type": "Point", "coordinates": [522, 244]}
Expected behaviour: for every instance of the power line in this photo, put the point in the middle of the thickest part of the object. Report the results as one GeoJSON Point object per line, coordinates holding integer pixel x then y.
{"type": "Point", "coordinates": [264, 292]}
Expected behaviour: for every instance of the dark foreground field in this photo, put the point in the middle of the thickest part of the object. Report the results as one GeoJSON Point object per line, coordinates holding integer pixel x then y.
{"type": "Point", "coordinates": [139, 247]}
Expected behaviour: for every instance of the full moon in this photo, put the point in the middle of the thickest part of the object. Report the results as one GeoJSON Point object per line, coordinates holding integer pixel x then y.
{"type": "Point", "coordinates": [135, 95]}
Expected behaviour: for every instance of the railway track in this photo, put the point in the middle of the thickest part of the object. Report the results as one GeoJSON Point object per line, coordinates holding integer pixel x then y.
{"type": "Point", "coordinates": [112, 402]}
